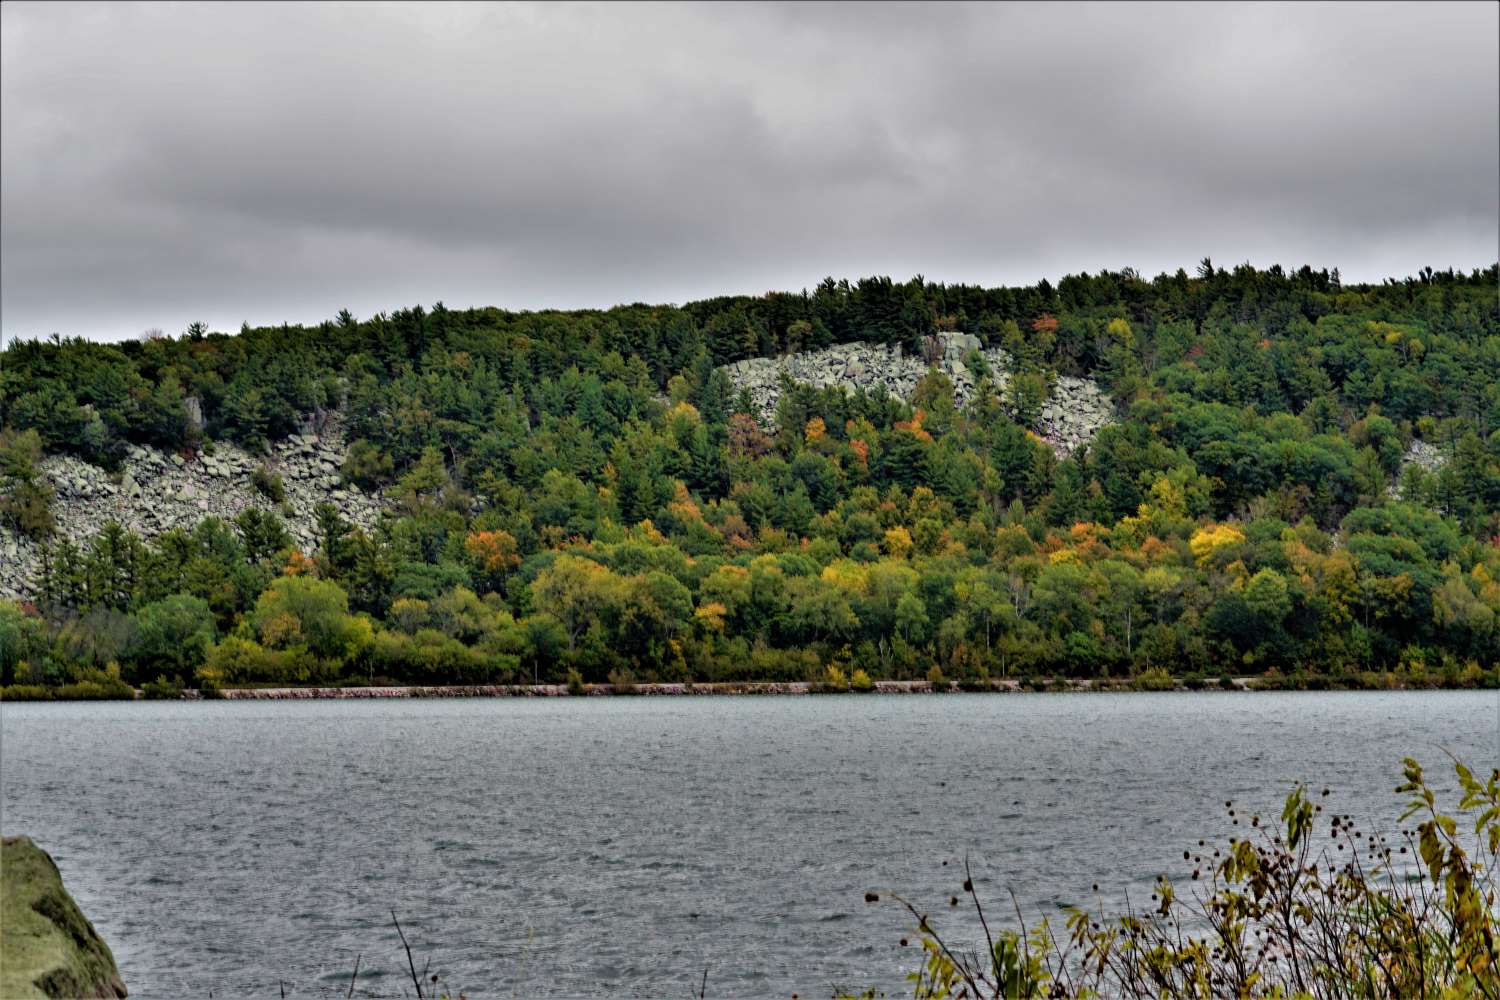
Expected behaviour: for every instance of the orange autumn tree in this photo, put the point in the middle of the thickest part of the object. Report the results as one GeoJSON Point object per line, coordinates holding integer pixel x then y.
{"type": "Point", "coordinates": [493, 554]}
{"type": "Point", "coordinates": [298, 564]}
{"type": "Point", "coordinates": [914, 426]}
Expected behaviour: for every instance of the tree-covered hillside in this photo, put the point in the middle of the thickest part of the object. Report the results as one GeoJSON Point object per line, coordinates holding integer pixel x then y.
{"type": "Point", "coordinates": [586, 491]}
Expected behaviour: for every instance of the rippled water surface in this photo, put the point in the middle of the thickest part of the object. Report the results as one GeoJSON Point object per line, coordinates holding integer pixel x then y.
{"type": "Point", "coordinates": [618, 847]}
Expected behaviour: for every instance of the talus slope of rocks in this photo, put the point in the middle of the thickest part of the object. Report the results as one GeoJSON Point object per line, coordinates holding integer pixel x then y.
{"type": "Point", "coordinates": [1072, 415]}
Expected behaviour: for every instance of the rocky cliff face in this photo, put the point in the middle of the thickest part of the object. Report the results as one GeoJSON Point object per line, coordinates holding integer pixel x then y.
{"type": "Point", "coordinates": [1070, 418]}
{"type": "Point", "coordinates": [155, 492]}
{"type": "Point", "coordinates": [1429, 457]}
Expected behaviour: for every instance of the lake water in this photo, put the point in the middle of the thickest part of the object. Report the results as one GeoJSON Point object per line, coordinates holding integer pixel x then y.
{"type": "Point", "coordinates": [619, 846]}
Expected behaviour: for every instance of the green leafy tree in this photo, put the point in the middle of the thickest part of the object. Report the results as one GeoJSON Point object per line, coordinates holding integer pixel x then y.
{"type": "Point", "coordinates": [172, 637]}
{"type": "Point", "coordinates": [25, 495]}
{"type": "Point", "coordinates": [302, 611]}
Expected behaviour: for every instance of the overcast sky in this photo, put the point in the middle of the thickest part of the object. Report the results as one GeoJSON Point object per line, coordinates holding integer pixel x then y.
{"type": "Point", "coordinates": [234, 162]}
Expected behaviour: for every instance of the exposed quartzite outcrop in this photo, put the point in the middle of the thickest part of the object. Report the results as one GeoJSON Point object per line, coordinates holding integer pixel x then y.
{"type": "Point", "coordinates": [1423, 454]}
{"type": "Point", "coordinates": [155, 491]}
{"type": "Point", "coordinates": [1071, 416]}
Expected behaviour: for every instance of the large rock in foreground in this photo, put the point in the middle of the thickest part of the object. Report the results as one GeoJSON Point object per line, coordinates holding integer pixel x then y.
{"type": "Point", "coordinates": [48, 948]}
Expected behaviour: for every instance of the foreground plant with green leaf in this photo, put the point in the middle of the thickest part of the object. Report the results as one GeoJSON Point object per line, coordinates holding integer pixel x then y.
{"type": "Point", "coordinates": [1290, 912]}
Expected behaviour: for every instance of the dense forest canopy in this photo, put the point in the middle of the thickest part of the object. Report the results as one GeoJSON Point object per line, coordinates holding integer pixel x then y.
{"type": "Point", "coordinates": [585, 491]}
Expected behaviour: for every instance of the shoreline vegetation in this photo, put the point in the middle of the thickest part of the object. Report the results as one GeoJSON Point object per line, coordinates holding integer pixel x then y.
{"type": "Point", "coordinates": [1298, 479]}
{"type": "Point", "coordinates": [1160, 683]}
{"type": "Point", "coordinates": [1280, 911]}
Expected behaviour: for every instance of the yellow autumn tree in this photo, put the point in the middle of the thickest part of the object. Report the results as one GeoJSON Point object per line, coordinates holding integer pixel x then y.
{"type": "Point", "coordinates": [1212, 538]}
{"type": "Point", "coordinates": [683, 506]}
{"type": "Point", "coordinates": [711, 616]}
{"type": "Point", "coordinates": [898, 543]}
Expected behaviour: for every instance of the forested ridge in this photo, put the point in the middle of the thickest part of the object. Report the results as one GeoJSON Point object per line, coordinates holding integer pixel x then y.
{"type": "Point", "coordinates": [584, 492]}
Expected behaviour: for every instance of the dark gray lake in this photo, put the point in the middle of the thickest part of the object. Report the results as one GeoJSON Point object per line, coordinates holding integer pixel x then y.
{"type": "Point", "coordinates": [618, 847]}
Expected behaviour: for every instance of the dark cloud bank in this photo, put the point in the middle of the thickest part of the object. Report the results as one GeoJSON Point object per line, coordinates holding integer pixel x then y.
{"type": "Point", "coordinates": [239, 162]}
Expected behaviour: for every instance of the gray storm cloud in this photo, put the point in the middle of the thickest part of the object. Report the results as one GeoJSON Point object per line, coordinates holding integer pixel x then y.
{"type": "Point", "coordinates": [234, 162]}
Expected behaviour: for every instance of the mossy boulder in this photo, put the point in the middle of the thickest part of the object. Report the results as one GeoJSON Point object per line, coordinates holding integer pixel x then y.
{"type": "Point", "coordinates": [48, 948]}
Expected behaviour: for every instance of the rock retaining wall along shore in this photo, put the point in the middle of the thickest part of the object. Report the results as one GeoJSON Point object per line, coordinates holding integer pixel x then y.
{"type": "Point", "coordinates": [996, 685]}
{"type": "Point", "coordinates": [562, 690]}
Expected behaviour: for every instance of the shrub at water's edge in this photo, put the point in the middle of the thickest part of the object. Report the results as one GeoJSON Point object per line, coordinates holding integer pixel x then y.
{"type": "Point", "coordinates": [88, 685]}
{"type": "Point", "coordinates": [1288, 911]}
{"type": "Point", "coordinates": [1310, 907]}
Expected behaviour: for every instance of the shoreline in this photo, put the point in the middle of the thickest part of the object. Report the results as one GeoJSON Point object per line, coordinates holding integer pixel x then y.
{"type": "Point", "coordinates": [650, 690]}
{"type": "Point", "coordinates": [1059, 685]}
{"type": "Point", "coordinates": [719, 689]}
